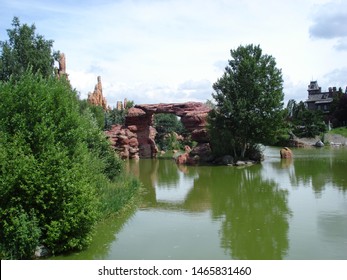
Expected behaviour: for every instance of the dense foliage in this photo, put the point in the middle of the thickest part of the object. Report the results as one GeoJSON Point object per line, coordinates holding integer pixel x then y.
{"type": "Point", "coordinates": [54, 163]}
{"type": "Point", "coordinates": [25, 49]}
{"type": "Point", "coordinates": [97, 111]}
{"type": "Point", "coordinates": [249, 104]}
{"type": "Point", "coordinates": [168, 126]}
{"type": "Point", "coordinates": [116, 116]}
{"type": "Point", "coordinates": [339, 115]}
{"type": "Point", "coordinates": [58, 173]}
{"type": "Point", "coordinates": [305, 122]}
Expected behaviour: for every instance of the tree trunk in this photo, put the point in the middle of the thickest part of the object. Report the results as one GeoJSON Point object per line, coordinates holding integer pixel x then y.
{"type": "Point", "coordinates": [243, 151]}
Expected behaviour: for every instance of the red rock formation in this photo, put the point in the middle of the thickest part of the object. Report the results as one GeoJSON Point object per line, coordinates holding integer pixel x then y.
{"type": "Point", "coordinates": [124, 141]}
{"type": "Point", "coordinates": [193, 116]}
{"type": "Point", "coordinates": [96, 97]}
{"type": "Point", "coordinates": [137, 138]}
{"type": "Point", "coordinates": [61, 71]}
{"type": "Point", "coordinates": [141, 123]}
{"type": "Point", "coordinates": [185, 158]}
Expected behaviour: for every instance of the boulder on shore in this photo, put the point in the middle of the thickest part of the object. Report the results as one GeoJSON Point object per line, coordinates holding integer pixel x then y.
{"type": "Point", "coordinates": [286, 153]}
{"type": "Point", "coordinates": [319, 144]}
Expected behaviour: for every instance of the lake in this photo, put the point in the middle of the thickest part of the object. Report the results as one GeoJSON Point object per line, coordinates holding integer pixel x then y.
{"type": "Point", "coordinates": [279, 209]}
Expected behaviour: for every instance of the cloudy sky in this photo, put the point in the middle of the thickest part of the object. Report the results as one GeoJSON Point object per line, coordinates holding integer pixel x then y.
{"type": "Point", "coordinates": [174, 50]}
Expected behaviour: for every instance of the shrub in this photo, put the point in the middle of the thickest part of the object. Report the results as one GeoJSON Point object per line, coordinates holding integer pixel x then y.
{"type": "Point", "coordinates": [21, 232]}
{"type": "Point", "coordinates": [49, 172]}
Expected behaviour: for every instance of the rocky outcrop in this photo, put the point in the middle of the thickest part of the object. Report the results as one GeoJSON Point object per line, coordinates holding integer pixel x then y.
{"type": "Point", "coordinates": [185, 158]}
{"type": "Point", "coordinates": [139, 122]}
{"type": "Point", "coordinates": [61, 70]}
{"type": "Point", "coordinates": [193, 116]}
{"type": "Point", "coordinates": [286, 153]}
{"type": "Point", "coordinates": [96, 97]}
{"type": "Point", "coordinates": [202, 153]}
{"type": "Point", "coordinates": [124, 141]}
{"type": "Point", "coordinates": [319, 144]}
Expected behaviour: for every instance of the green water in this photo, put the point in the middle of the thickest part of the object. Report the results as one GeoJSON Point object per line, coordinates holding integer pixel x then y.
{"type": "Point", "coordinates": [280, 209]}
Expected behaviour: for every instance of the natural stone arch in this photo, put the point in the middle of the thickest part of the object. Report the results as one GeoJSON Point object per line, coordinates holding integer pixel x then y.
{"type": "Point", "coordinates": [139, 119]}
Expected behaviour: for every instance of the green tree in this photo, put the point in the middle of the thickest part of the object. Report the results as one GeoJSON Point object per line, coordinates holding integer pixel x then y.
{"type": "Point", "coordinates": [249, 104]}
{"type": "Point", "coordinates": [339, 114]}
{"type": "Point", "coordinates": [98, 112]}
{"type": "Point", "coordinates": [116, 116]}
{"type": "Point", "coordinates": [305, 122]}
{"type": "Point", "coordinates": [25, 49]}
{"type": "Point", "coordinates": [52, 160]}
{"type": "Point", "coordinates": [166, 125]}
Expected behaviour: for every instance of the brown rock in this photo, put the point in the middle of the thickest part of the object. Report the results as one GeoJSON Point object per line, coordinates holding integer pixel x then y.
{"type": "Point", "coordinates": [133, 142]}
{"type": "Point", "coordinates": [96, 97]}
{"type": "Point", "coordinates": [123, 140]}
{"type": "Point", "coordinates": [139, 133]}
{"type": "Point", "coordinates": [200, 135]}
{"type": "Point", "coordinates": [132, 128]}
{"type": "Point", "coordinates": [140, 121]}
{"type": "Point", "coordinates": [286, 153]}
{"type": "Point", "coordinates": [203, 152]}
{"type": "Point", "coordinates": [182, 159]}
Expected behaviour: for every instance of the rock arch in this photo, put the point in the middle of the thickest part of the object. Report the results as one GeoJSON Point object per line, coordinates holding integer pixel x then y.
{"type": "Point", "coordinates": [136, 139]}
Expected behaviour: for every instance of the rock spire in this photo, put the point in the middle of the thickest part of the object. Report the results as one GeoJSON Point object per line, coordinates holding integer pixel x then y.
{"type": "Point", "coordinates": [96, 97]}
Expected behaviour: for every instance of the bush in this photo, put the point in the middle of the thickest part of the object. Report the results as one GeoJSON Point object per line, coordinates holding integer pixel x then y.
{"type": "Point", "coordinates": [52, 160]}
{"type": "Point", "coordinates": [21, 232]}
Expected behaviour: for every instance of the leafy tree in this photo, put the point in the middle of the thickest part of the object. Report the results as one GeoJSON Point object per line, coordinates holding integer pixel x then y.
{"type": "Point", "coordinates": [166, 125]}
{"type": "Point", "coordinates": [129, 104]}
{"type": "Point", "coordinates": [249, 104]}
{"type": "Point", "coordinates": [116, 116]}
{"type": "Point", "coordinates": [98, 112]}
{"type": "Point", "coordinates": [339, 115]}
{"type": "Point", "coordinates": [305, 122]}
{"type": "Point", "coordinates": [54, 160]}
{"type": "Point", "coordinates": [25, 49]}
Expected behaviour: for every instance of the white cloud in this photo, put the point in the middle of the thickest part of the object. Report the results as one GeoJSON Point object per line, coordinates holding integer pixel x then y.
{"type": "Point", "coordinates": [329, 22]}
{"type": "Point", "coordinates": [335, 77]}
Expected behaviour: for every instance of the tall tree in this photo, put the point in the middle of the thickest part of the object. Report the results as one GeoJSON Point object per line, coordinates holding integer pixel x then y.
{"type": "Point", "coordinates": [249, 99]}
{"type": "Point", "coordinates": [25, 49]}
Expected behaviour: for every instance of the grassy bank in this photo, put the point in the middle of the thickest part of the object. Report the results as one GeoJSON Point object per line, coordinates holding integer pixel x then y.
{"type": "Point", "coordinates": [340, 130]}
{"type": "Point", "coordinates": [118, 195]}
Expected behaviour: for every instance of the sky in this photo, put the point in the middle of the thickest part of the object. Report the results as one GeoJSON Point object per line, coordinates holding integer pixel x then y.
{"type": "Point", "coordinates": [164, 51]}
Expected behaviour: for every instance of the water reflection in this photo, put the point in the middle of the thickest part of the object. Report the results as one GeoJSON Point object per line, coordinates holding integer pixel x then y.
{"type": "Point", "coordinates": [320, 168]}
{"type": "Point", "coordinates": [280, 209]}
{"type": "Point", "coordinates": [103, 239]}
{"type": "Point", "coordinates": [253, 212]}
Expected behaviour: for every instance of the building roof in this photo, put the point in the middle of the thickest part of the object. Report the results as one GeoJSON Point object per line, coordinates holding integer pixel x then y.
{"type": "Point", "coordinates": [324, 101]}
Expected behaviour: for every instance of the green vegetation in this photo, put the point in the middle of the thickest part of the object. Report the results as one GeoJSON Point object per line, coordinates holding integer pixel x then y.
{"type": "Point", "coordinates": [116, 116]}
{"type": "Point", "coordinates": [339, 130]}
{"type": "Point", "coordinates": [304, 122]}
{"type": "Point", "coordinates": [25, 49]}
{"type": "Point", "coordinates": [248, 104]}
{"type": "Point", "coordinates": [58, 174]}
{"type": "Point", "coordinates": [168, 128]}
{"type": "Point", "coordinates": [97, 112]}
{"type": "Point", "coordinates": [339, 115]}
